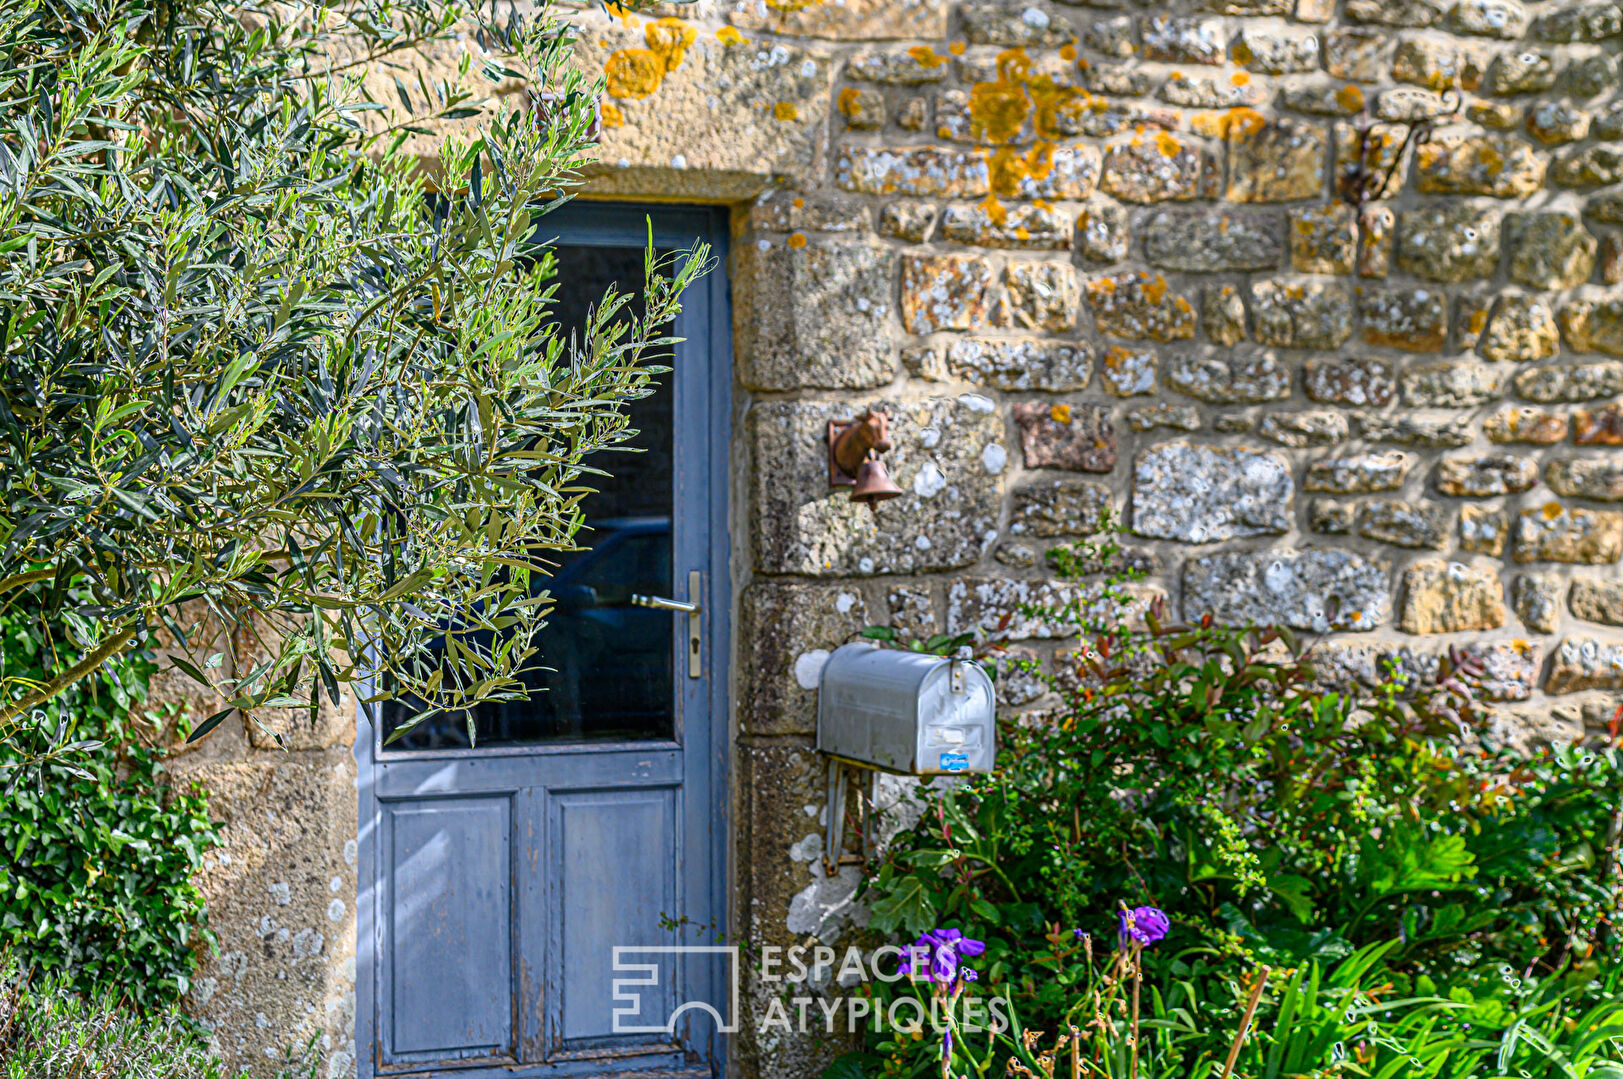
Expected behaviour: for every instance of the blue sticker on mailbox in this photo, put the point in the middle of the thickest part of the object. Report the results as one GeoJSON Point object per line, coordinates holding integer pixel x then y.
{"type": "Point", "coordinates": [954, 762]}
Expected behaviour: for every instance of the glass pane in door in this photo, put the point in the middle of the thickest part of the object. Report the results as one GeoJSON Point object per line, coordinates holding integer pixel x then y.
{"type": "Point", "coordinates": [605, 667]}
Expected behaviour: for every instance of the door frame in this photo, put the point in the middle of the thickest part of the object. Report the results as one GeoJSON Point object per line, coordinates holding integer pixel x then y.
{"type": "Point", "coordinates": [619, 224]}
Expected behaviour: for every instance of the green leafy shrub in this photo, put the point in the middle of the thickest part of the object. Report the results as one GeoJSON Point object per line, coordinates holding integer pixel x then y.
{"type": "Point", "coordinates": [1205, 770]}
{"type": "Point", "coordinates": [96, 851]}
{"type": "Point", "coordinates": [50, 1031]}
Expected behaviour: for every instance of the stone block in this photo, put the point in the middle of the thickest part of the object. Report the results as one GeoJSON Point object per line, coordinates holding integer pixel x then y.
{"type": "Point", "coordinates": [1156, 167]}
{"type": "Point", "coordinates": [1439, 64]}
{"type": "Point", "coordinates": [1324, 239]}
{"type": "Point", "coordinates": [281, 899]}
{"type": "Point", "coordinates": [863, 110]}
{"type": "Point", "coordinates": [910, 221]}
{"type": "Point", "coordinates": [1212, 241]}
{"type": "Point", "coordinates": [1063, 507]}
{"type": "Point", "coordinates": [1358, 473]}
{"type": "Point", "coordinates": [786, 632]}
{"type": "Point", "coordinates": [1377, 233]}
{"type": "Point", "coordinates": [1478, 165]}
{"type": "Point", "coordinates": [1505, 19]}
{"type": "Point", "coordinates": [1408, 429]}
{"type": "Point", "coordinates": [852, 20]}
{"type": "Point", "coordinates": [1600, 479]}
{"type": "Point", "coordinates": [1202, 494]}
{"type": "Point", "coordinates": [1274, 52]}
{"type": "Point", "coordinates": [1330, 517]}
{"type": "Point", "coordinates": [1484, 530]}
{"type": "Point", "coordinates": [1017, 365]}
{"type": "Point", "coordinates": [1228, 378]}
{"type": "Point", "coordinates": [1519, 328]}
{"type": "Point", "coordinates": [1556, 533]}
{"type": "Point", "coordinates": [1350, 380]}
{"type": "Point", "coordinates": [1301, 314]}
{"type": "Point", "coordinates": [1450, 597]}
{"type": "Point", "coordinates": [1589, 167]}
{"type": "Point", "coordinates": [991, 224]}
{"type": "Point", "coordinates": [1178, 40]}
{"type": "Point", "coordinates": [1312, 590]}
{"type": "Point", "coordinates": [1275, 160]}
{"type": "Point", "coordinates": [1299, 430]}
{"type": "Point", "coordinates": [1357, 53]}
{"type": "Point", "coordinates": [690, 115]}
{"type": "Point", "coordinates": [1598, 427]}
{"type": "Point", "coordinates": [1077, 437]}
{"type": "Point", "coordinates": [1563, 382]}
{"type": "Point", "coordinates": [1537, 599]}
{"type": "Point", "coordinates": [1594, 21]}
{"type": "Point", "coordinates": [944, 292]}
{"type": "Point", "coordinates": [1224, 312]}
{"type": "Point", "coordinates": [1323, 97]}
{"type": "Point", "coordinates": [1411, 319]}
{"type": "Point", "coordinates": [1581, 663]}
{"type": "Point", "coordinates": [1520, 71]}
{"type": "Point", "coordinates": [1449, 242]}
{"type": "Point", "coordinates": [1593, 325]}
{"type": "Point", "coordinates": [1401, 13]}
{"type": "Point", "coordinates": [1485, 476]}
{"type": "Point", "coordinates": [1451, 384]}
{"type": "Point", "coordinates": [912, 611]}
{"type": "Point", "coordinates": [816, 315]}
{"type": "Point", "coordinates": [1211, 92]}
{"type": "Point", "coordinates": [1014, 24]}
{"type": "Point", "coordinates": [784, 211]}
{"type": "Point", "coordinates": [912, 66]}
{"type": "Point", "coordinates": [1136, 304]}
{"type": "Point", "coordinates": [1554, 123]}
{"type": "Point", "coordinates": [1128, 372]}
{"type": "Point", "coordinates": [1597, 600]}
{"type": "Point", "coordinates": [921, 171]}
{"type": "Point", "coordinates": [1404, 524]}
{"type": "Point", "coordinates": [1550, 250]}
{"type": "Point", "coordinates": [1039, 296]}
{"type": "Point", "coordinates": [948, 455]}
{"type": "Point", "coordinates": [1102, 232]}
{"type": "Point", "coordinates": [1018, 609]}
{"type": "Point", "coordinates": [1530, 426]}
{"type": "Point", "coordinates": [1170, 417]}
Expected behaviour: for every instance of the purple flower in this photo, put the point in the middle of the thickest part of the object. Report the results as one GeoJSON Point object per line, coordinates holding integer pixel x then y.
{"type": "Point", "coordinates": [970, 974]}
{"type": "Point", "coordinates": [1077, 934]}
{"type": "Point", "coordinates": [939, 951]}
{"type": "Point", "coordinates": [1146, 925]}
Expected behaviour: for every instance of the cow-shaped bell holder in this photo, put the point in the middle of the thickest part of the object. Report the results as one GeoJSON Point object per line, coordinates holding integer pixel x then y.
{"type": "Point", "coordinates": [854, 446]}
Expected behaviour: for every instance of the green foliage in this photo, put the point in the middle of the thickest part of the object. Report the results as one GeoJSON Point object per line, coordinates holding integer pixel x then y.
{"type": "Point", "coordinates": [96, 853]}
{"type": "Point", "coordinates": [1203, 770]}
{"type": "Point", "coordinates": [257, 371]}
{"type": "Point", "coordinates": [50, 1031]}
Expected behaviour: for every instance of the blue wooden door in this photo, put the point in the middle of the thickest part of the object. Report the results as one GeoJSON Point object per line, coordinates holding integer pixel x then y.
{"type": "Point", "coordinates": [522, 898]}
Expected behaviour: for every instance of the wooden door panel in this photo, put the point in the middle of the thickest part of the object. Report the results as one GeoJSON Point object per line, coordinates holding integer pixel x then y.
{"type": "Point", "coordinates": [450, 882]}
{"type": "Point", "coordinates": [614, 874]}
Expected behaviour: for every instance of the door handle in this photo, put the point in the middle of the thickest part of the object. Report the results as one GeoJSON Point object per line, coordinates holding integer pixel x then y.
{"type": "Point", "coordinates": [689, 607]}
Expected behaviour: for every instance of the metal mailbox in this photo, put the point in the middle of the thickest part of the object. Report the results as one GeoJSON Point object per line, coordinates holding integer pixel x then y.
{"type": "Point", "coordinates": [906, 712]}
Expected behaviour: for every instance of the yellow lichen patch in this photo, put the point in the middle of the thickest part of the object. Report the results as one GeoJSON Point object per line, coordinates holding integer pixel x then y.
{"type": "Point", "coordinates": [1169, 146]}
{"type": "Point", "coordinates": [1552, 510]}
{"type": "Point", "coordinates": [796, 240]}
{"type": "Point", "coordinates": [956, 48]}
{"type": "Point", "coordinates": [633, 74]}
{"type": "Point", "coordinates": [995, 211]}
{"type": "Point", "coordinates": [1009, 168]}
{"type": "Point", "coordinates": [927, 57]}
{"type": "Point", "coordinates": [729, 35]}
{"type": "Point", "coordinates": [612, 116]}
{"type": "Point", "coordinates": [1240, 78]}
{"type": "Point", "coordinates": [1207, 123]}
{"type": "Point", "coordinates": [1060, 413]}
{"type": "Point", "coordinates": [785, 111]}
{"type": "Point", "coordinates": [849, 102]}
{"type": "Point", "coordinates": [1350, 98]}
{"type": "Point", "coordinates": [791, 5]}
{"type": "Point", "coordinates": [1155, 289]}
{"type": "Point", "coordinates": [799, 203]}
{"type": "Point", "coordinates": [1067, 52]}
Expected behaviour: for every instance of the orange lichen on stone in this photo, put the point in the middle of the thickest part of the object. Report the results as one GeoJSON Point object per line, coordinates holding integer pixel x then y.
{"type": "Point", "coordinates": [1243, 121]}
{"type": "Point", "coordinates": [796, 240]}
{"type": "Point", "coordinates": [1009, 168]}
{"type": "Point", "coordinates": [729, 35]}
{"type": "Point", "coordinates": [1350, 98]}
{"type": "Point", "coordinates": [956, 48]}
{"type": "Point", "coordinates": [995, 211]}
{"type": "Point", "coordinates": [785, 111]}
{"type": "Point", "coordinates": [633, 74]}
{"type": "Point", "coordinates": [1478, 320]}
{"type": "Point", "coordinates": [1060, 414]}
{"type": "Point", "coordinates": [612, 116]}
{"type": "Point", "coordinates": [1240, 78]}
{"type": "Point", "coordinates": [1168, 145]}
{"type": "Point", "coordinates": [1067, 52]}
{"type": "Point", "coordinates": [927, 57]}
{"type": "Point", "coordinates": [799, 203]}
{"type": "Point", "coordinates": [791, 5]}
{"type": "Point", "coordinates": [849, 101]}
{"type": "Point", "coordinates": [1552, 510]}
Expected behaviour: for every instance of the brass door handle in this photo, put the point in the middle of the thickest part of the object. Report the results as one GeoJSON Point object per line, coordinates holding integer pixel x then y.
{"type": "Point", "coordinates": [688, 607]}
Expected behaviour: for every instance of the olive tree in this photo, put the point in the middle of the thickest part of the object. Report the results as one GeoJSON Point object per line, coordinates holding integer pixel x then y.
{"type": "Point", "coordinates": [262, 370]}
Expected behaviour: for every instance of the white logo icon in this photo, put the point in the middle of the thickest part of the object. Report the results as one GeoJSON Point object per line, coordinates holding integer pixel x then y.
{"type": "Point", "coordinates": [629, 1017]}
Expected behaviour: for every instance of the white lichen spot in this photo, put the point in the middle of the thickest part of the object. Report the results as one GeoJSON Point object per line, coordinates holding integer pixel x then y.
{"type": "Point", "coordinates": [976, 402]}
{"type": "Point", "coordinates": [335, 910]}
{"type": "Point", "coordinates": [844, 602]}
{"type": "Point", "coordinates": [809, 667]}
{"type": "Point", "coordinates": [922, 543]}
{"type": "Point", "coordinates": [929, 481]}
{"type": "Point", "coordinates": [809, 849]}
{"type": "Point", "coordinates": [808, 69]}
{"type": "Point", "coordinates": [679, 161]}
{"type": "Point", "coordinates": [281, 893]}
{"type": "Point", "coordinates": [352, 850]}
{"type": "Point", "coordinates": [336, 883]}
{"type": "Point", "coordinates": [865, 566]}
{"type": "Point", "coordinates": [994, 458]}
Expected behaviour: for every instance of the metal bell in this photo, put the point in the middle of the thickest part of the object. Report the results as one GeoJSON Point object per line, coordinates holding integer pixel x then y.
{"type": "Point", "coordinates": [874, 485]}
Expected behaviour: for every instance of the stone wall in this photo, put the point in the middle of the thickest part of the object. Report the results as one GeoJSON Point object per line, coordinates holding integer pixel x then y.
{"type": "Point", "coordinates": [1103, 259]}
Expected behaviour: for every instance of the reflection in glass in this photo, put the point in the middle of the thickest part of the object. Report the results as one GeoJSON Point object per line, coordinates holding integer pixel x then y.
{"type": "Point", "coordinates": [606, 666]}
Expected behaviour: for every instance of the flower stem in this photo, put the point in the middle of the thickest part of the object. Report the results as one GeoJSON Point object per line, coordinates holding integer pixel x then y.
{"type": "Point", "coordinates": [1245, 1021]}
